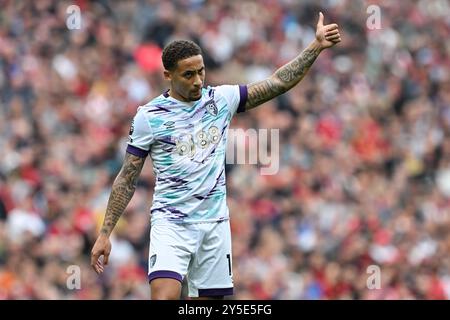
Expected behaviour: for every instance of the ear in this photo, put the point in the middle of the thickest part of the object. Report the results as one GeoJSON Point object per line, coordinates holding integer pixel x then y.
{"type": "Point", "coordinates": [167, 75]}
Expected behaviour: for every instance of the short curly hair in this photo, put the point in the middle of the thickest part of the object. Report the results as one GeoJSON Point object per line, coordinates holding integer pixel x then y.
{"type": "Point", "coordinates": [178, 50]}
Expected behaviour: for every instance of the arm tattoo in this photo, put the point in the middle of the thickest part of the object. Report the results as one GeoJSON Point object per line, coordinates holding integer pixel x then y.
{"type": "Point", "coordinates": [296, 69]}
{"type": "Point", "coordinates": [283, 79]}
{"type": "Point", "coordinates": [122, 191]}
{"type": "Point", "coordinates": [262, 91]}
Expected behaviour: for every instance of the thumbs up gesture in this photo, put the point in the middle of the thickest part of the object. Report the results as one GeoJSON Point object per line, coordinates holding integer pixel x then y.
{"type": "Point", "coordinates": [327, 35]}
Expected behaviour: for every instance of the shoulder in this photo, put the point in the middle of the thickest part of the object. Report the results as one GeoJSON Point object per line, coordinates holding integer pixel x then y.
{"type": "Point", "coordinates": [154, 107]}
{"type": "Point", "coordinates": [226, 91]}
{"type": "Point", "coordinates": [222, 89]}
{"type": "Point", "coordinates": [235, 96]}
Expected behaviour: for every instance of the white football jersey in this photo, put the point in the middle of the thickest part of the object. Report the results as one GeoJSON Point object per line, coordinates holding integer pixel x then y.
{"type": "Point", "coordinates": [187, 143]}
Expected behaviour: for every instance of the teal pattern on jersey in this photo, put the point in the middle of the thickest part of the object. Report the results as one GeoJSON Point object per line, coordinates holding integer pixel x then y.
{"type": "Point", "coordinates": [187, 144]}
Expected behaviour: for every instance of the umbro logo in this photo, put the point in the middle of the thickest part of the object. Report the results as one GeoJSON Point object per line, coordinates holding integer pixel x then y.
{"type": "Point", "coordinates": [169, 124]}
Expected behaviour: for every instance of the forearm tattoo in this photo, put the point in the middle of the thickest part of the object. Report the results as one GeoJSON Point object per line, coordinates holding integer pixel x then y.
{"type": "Point", "coordinates": [284, 79]}
{"type": "Point", "coordinates": [122, 191]}
{"type": "Point", "coordinates": [297, 68]}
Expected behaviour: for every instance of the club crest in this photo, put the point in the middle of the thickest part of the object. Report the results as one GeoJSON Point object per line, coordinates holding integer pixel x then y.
{"type": "Point", "coordinates": [131, 128]}
{"type": "Point", "coordinates": [152, 260]}
{"type": "Point", "coordinates": [211, 108]}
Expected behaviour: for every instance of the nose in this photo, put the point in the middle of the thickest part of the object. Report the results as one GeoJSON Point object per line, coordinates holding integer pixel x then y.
{"type": "Point", "coordinates": [198, 81]}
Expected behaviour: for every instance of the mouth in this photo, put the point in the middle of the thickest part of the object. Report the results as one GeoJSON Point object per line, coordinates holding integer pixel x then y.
{"type": "Point", "coordinates": [197, 92]}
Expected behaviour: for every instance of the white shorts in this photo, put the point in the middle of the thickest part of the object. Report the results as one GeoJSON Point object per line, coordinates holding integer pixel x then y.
{"type": "Point", "coordinates": [200, 251]}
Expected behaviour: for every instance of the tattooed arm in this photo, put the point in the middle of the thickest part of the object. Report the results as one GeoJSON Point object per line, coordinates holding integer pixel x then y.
{"type": "Point", "coordinates": [121, 194]}
{"type": "Point", "coordinates": [122, 191]}
{"type": "Point", "coordinates": [293, 72]}
{"type": "Point", "coordinates": [283, 79]}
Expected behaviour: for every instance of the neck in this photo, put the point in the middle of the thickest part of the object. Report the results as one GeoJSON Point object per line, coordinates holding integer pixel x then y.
{"type": "Point", "coordinates": [175, 95]}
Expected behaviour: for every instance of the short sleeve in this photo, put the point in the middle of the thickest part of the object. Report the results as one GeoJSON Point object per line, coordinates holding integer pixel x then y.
{"type": "Point", "coordinates": [236, 96]}
{"type": "Point", "coordinates": [140, 136]}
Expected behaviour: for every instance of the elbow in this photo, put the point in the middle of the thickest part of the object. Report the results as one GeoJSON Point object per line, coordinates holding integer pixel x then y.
{"type": "Point", "coordinates": [280, 85]}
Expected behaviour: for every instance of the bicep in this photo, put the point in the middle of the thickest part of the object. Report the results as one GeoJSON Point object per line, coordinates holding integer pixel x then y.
{"type": "Point", "coordinates": [263, 91]}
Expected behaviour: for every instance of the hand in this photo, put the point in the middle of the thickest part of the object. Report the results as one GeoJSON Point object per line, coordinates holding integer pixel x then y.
{"type": "Point", "coordinates": [102, 247]}
{"type": "Point", "coordinates": [327, 35]}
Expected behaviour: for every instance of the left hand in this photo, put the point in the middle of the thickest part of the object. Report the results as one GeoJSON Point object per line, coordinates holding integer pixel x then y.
{"type": "Point", "coordinates": [327, 35]}
{"type": "Point", "coordinates": [102, 247]}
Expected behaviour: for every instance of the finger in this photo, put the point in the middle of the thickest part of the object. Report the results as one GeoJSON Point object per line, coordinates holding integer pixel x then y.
{"type": "Point", "coordinates": [334, 37]}
{"type": "Point", "coordinates": [331, 33]}
{"type": "Point", "coordinates": [99, 267]}
{"type": "Point", "coordinates": [336, 41]}
{"type": "Point", "coordinates": [331, 27]}
{"type": "Point", "coordinates": [94, 259]}
{"type": "Point", "coordinates": [96, 268]}
{"type": "Point", "coordinates": [320, 22]}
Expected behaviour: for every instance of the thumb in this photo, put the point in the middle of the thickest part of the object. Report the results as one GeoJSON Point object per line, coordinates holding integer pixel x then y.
{"type": "Point", "coordinates": [105, 258]}
{"type": "Point", "coordinates": [94, 258]}
{"type": "Point", "coordinates": [320, 22]}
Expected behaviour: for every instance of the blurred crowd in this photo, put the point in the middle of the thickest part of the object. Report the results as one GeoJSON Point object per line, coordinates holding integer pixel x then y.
{"type": "Point", "coordinates": [364, 179]}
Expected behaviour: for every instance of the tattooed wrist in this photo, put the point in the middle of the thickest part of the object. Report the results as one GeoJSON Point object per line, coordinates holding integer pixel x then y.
{"type": "Point", "coordinates": [105, 231]}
